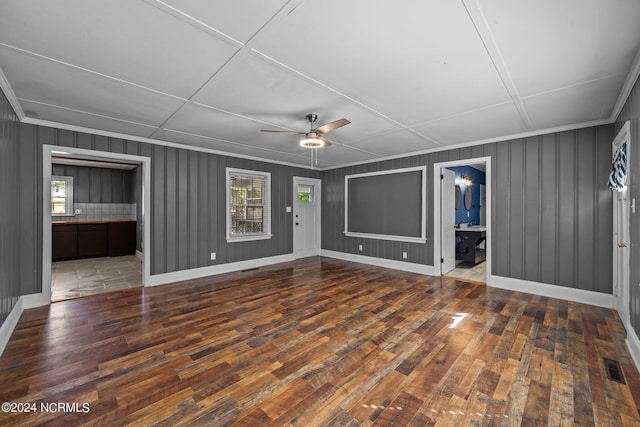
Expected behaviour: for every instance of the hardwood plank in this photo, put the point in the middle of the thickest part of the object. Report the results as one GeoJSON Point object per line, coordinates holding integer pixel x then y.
{"type": "Point", "coordinates": [320, 341]}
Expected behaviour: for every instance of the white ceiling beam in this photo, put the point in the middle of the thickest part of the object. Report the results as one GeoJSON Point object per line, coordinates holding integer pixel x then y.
{"type": "Point", "coordinates": [486, 36]}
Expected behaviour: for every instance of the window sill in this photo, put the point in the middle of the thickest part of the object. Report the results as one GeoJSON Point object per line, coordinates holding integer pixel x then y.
{"type": "Point", "coordinates": [249, 238]}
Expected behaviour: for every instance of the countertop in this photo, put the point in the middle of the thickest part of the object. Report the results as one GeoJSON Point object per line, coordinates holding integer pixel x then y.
{"type": "Point", "coordinates": [472, 228]}
{"type": "Point", "coordinates": [91, 221]}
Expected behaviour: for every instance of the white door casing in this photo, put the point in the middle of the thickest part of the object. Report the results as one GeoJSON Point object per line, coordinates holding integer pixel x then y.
{"type": "Point", "coordinates": [621, 237]}
{"type": "Point", "coordinates": [448, 216]}
{"type": "Point", "coordinates": [306, 218]}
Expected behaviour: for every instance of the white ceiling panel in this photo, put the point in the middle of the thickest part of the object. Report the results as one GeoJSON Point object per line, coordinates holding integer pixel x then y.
{"type": "Point", "coordinates": [129, 40]}
{"type": "Point", "coordinates": [412, 61]}
{"type": "Point", "coordinates": [80, 119]}
{"type": "Point", "coordinates": [574, 104]}
{"type": "Point", "coordinates": [411, 76]}
{"type": "Point", "coordinates": [264, 152]}
{"type": "Point", "coordinates": [232, 17]}
{"type": "Point", "coordinates": [258, 89]}
{"type": "Point", "coordinates": [335, 155]}
{"type": "Point", "coordinates": [477, 125]}
{"type": "Point", "coordinates": [393, 143]}
{"type": "Point", "coordinates": [40, 80]}
{"type": "Point", "coordinates": [205, 121]}
{"type": "Point", "coordinates": [551, 44]}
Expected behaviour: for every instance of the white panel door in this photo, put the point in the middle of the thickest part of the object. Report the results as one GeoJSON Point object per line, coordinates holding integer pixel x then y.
{"type": "Point", "coordinates": [306, 217]}
{"type": "Point", "coordinates": [448, 219]}
{"type": "Point", "coordinates": [621, 234]}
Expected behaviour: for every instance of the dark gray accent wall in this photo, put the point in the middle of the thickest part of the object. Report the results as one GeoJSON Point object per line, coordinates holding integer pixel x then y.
{"type": "Point", "coordinates": [552, 211]}
{"type": "Point", "coordinates": [98, 185]}
{"type": "Point", "coordinates": [187, 212]}
{"type": "Point", "coordinates": [374, 200]}
{"type": "Point", "coordinates": [10, 236]}
{"type": "Point", "coordinates": [631, 112]}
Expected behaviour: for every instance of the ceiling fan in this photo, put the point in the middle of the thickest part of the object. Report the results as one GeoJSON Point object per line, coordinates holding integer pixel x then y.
{"type": "Point", "coordinates": [314, 138]}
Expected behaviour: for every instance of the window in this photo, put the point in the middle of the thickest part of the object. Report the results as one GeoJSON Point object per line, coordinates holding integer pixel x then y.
{"type": "Point", "coordinates": [305, 193]}
{"type": "Point", "coordinates": [61, 196]}
{"type": "Point", "coordinates": [248, 205]}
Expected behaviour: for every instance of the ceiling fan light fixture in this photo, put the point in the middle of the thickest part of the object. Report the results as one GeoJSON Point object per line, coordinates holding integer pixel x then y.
{"type": "Point", "coordinates": [311, 140]}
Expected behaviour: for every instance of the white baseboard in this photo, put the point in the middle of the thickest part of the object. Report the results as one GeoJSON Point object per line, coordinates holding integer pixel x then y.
{"type": "Point", "coordinates": [24, 302]}
{"type": "Point", "coordinates": [140, 255]}
{"type": "Point", "coordinates": [381, 262]}
{"type": "Point", "coordinates": [212, 270]}
{"type": "Point", "coordinates": [633, 345]}
{"type": "Point", "coordinates": [9, 324]}
{"type": "Point", "coordinates": [561, 292]}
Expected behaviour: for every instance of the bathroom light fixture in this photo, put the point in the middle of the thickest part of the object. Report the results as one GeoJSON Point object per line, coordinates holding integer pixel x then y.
{"type": "Point", "coordinates": [464, 179]}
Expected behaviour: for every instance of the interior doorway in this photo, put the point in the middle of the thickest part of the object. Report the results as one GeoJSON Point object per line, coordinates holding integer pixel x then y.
{"type": "Point", "coordinates": [85, 220]}
{"type": "Point", "coordinates": [306, 216]}
{"type": "Point", "coordinates": [462, 218]}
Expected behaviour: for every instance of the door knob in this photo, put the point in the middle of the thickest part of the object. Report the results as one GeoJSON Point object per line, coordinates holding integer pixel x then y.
{"type": "Point", "coordinates": [622, 245]}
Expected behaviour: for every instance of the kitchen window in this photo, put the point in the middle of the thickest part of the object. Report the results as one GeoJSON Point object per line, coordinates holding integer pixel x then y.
{"type": "Point", "coordinates": [248, 205]}
{"type": "Point", "coordinates": [61, 196]}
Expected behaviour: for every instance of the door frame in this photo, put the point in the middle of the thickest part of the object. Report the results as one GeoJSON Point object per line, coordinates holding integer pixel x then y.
{"type": "Point", "coordinates": [437, 201]}
{"type": "Point", "coordinates": [443, 230]}
{"type": "Point", "coordinates": [621, 279]}
{"type": "Point", "coordinates": [145, 164]}
{"type": "Point", "coordinates": [317, 183]}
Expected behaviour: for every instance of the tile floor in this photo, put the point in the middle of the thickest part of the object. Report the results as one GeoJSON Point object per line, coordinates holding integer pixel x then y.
{"type": "Point", "coordinates": [466, 270]}
{"type": "Point", "coordinates": [81, 277]}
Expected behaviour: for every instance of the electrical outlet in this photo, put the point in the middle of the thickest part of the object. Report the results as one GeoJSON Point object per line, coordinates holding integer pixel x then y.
{"type": "Point", "coordinates": [213, 256]}
{"type": "Point", "coordinates": [360, 247]}
{"type": "Point", "coordinates": [404, 255]}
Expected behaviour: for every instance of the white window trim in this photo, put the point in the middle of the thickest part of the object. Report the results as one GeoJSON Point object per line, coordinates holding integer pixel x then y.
{"type": "Point", "coordinates": [68, 203]}
{"type": "Point", "coordinates": [423, 229]}
{"type": "Point", "coordinates": [266, 225]}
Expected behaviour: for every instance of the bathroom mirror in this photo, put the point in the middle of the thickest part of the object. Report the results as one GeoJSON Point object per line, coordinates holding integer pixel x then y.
{"type": "Point", "coordinates": [467, 198]}
{"type": "Point", "coordinates": [458, 196]}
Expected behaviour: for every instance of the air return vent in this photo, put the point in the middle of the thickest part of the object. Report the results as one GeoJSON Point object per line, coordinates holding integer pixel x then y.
{"type": "Point", "coordinates": [614, 371]}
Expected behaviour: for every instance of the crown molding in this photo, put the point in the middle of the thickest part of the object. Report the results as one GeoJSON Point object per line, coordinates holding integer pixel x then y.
{"type": "Point", "coordinates": [482, 142]}
{"type": "Point", "coordinates": [11, 96]}
{"type": "Point", "coordinates": [627, 87]}
{"type": "Point", "coordinates": [74, 128]}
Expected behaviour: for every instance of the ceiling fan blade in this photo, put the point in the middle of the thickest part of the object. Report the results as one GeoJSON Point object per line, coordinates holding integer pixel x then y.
{"type": "Point", "coordinates": [325, 140]}
{"type": "Point", "coordinates": [290, 132]}
{"type": "Point", "coordinates": [333, 125]}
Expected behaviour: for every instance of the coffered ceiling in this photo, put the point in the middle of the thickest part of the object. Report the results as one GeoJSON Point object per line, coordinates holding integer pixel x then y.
{"type": "Point", "coordinates": [411, 76]}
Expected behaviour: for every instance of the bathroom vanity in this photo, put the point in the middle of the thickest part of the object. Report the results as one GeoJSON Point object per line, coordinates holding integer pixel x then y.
{"type": "Point", "coordinates": [468, 242]}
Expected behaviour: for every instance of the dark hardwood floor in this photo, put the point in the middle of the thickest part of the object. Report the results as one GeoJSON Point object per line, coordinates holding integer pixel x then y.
{"type": "Point", "coordinates": [318, 342]}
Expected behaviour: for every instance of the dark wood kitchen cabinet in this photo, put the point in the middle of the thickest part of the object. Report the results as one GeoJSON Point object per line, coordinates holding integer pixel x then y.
{"type": "Point", "coordinates": [92, 240]}
{"type": "Point", "coordinates": [88, 240]}
{"type": "Point", "coordinates": [64, 242]}
{"type": "Point", "coordinates": [122, 238]}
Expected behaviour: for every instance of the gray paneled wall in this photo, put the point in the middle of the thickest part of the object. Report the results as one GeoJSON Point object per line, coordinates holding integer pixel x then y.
{"type": "Point", "coordinates": [10, 236]}
{"type": "Point", "coordinates": [187, 212]}
{"type": "Point", "coordinates": [631, 112]}
{"type": "Point", "coordinates": [98, 185]}
{"type": "Point", "coordinates": [552, 211]}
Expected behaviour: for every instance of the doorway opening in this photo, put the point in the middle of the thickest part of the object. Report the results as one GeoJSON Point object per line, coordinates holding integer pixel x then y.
{"type": "Point", "coordinates": [95, 243]}
{"type": "Point", "coordinates": [462, 219]}
{"type": "Point", "coordinates": [306, 216]}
